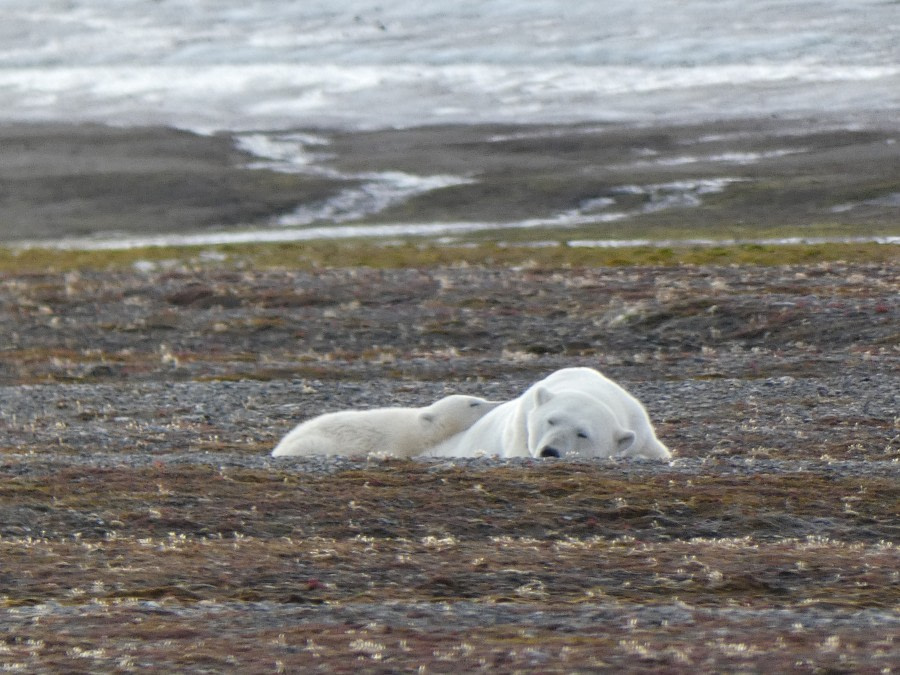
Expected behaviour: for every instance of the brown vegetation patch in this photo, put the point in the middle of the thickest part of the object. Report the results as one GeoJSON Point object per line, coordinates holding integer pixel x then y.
{"type": "Point", "coordinates": [143, 525]}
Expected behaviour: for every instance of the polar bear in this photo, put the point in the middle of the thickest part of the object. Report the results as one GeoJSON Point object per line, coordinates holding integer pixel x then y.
{"type": "Point", "coordinates": [395, 432]}
{"type": "Point", "coordinates": [574, 412]}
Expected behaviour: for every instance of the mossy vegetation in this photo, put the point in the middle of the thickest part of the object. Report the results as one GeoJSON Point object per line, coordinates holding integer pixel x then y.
{"type": "Point", "coordinates": [415, 253]}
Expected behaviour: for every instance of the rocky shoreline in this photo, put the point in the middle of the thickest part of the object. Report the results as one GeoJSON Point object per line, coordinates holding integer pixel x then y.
{"type": "Point", "coordinates": [746, 179]}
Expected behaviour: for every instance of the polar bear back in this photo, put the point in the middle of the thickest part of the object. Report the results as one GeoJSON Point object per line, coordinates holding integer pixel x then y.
{"type": "Point", "coordinates": [397, 432]}
{"type": "Point", "coordinates": [349, 432]}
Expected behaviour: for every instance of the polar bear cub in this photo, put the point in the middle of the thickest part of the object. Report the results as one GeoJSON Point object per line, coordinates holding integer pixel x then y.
{"type": "Point", "coordinates": [395, 432]}
{"type": "Point", "coordinates": [574, 412]}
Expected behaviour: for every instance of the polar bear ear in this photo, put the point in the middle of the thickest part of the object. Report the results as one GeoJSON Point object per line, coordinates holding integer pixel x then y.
{"type": "Point", "coordinates": [542, 395]}
{"type": "Point", "coordinates": [624, 440]}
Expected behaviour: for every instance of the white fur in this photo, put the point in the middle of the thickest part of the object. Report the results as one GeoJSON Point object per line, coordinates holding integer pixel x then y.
{"type": "Point", "coordinates": [394, 432]}
{"type": "Point", "coordinates": [574, 412]}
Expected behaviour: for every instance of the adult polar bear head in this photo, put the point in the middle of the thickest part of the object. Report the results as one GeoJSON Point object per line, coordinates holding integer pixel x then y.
{"type": "Point", "coordinates": [395, 432]}
{"type": "Point", "coordinates": [573, 423]}
{"type": "Point", "coordinates": [574, 412]}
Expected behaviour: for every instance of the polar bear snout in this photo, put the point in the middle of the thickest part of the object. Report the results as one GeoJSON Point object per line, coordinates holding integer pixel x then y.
{"type": "Point", "coordinates": [550, 452]}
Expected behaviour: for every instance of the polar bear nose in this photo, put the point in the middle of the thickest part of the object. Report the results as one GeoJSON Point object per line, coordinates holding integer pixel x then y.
{"type": "Point", "coordinates": [549, 452]}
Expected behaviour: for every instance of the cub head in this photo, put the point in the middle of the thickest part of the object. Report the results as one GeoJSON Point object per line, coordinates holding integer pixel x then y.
{"type": "Point", "coordinates": [457, 413]}
{"type": "Point", "coordinates": [572, 423]}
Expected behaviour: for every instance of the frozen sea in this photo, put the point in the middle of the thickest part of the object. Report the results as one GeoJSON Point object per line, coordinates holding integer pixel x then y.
{"type": "Point", "coordinates": [263, 70]}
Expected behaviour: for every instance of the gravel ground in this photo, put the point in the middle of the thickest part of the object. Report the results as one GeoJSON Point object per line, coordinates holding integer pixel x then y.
{"type": "Point", "coordinates": [144, 526]}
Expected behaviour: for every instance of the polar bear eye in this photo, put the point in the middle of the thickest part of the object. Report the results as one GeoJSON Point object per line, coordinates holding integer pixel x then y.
{"type": "Point", "coordinates": [551, 422]}
{"type": "Point", "coordinates": [582, 434]}
{"type": "Point", "coordinates": [474, 404]}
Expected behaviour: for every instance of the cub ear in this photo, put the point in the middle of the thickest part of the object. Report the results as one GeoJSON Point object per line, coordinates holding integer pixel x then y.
{"type": "Point", "coordinates": [542, 395]}
{"type": "Point", "coordinates": [624, 440]}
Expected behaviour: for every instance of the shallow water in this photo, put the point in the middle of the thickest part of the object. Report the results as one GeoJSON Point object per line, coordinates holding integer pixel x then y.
{"type": "Point", "coordinates": [226, 64]}
{"type": "Point", "coordinates": [121, 242]}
